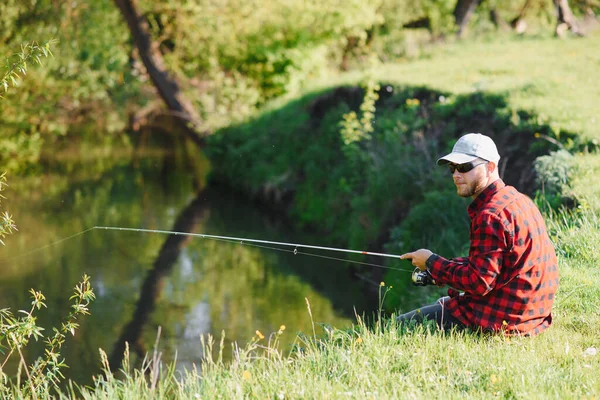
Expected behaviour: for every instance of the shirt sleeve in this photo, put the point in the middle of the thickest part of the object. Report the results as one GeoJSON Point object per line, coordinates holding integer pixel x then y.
{"type": "Point", "coordinates": [460, 260]}
{"type": "Point", "coordinates": [478, 275]}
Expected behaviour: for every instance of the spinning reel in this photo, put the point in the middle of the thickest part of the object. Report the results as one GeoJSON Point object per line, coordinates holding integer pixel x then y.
{"type": "Point", "coordinates": [422, 278]}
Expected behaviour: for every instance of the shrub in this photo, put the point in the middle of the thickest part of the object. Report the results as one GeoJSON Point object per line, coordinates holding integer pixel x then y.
{"type": "Point", "coordinates": [553, 174]}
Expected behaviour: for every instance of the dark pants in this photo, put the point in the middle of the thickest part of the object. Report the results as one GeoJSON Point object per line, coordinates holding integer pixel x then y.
{"type": "Point", "coordinates": [433, 312]}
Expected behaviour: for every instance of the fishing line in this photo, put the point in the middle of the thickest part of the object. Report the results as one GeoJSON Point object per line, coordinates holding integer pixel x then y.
{"type": "Point", "coordinates": [253, 242]}
{"type": "Point", "coordinates": [49, 245]}
{"type": "Point", "coordinates": [318, 255]}
{"type": "Point", "coordinates": [242, 241]}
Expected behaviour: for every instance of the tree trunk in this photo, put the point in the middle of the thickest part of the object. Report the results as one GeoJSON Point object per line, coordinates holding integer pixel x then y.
{"type": "Point", "coordinates": [497, 20]}
{"type": "Point", "coordinates": [463, 12]}
{"type": "Point", "coordinates": [565, 19]}
{"type": "Point", "coordinates": [167, 87]}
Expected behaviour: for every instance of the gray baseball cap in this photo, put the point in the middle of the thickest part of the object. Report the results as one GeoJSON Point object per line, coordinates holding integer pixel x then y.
{"type": "Point", "coordinates": [470, 147]}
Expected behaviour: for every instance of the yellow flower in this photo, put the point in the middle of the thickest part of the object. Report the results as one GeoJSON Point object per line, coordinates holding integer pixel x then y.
{"type": "Point", "coordinates": [246, 375]}
{"type": "Point", "coordinates": [494, 379]}
{"type": "Point", "coordinates": [382, 284]}
{"type": "Point", "coordinates": [537, 135]}
{"type": "Point", "coordinates": [359, 340]}
{"type": "Point", "coordinates": [282, 328]}
{"type": "Point", "coordinates": [260, 335]}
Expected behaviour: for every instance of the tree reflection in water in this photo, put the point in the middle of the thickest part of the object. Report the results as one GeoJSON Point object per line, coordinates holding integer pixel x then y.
{"type": "Point", "coordinates": [187, 286]}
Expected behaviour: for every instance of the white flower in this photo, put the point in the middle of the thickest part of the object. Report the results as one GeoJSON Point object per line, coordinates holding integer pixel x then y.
{"type": "Point", "coordinates": [590, 351]}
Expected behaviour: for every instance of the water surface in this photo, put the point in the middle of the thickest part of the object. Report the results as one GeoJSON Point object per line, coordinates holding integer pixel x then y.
{"type": "Point", "coordinates": [186, 286]}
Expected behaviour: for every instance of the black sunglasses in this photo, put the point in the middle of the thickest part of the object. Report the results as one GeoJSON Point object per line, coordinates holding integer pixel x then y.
{"type": "Point", "coordinates": [466, 167]}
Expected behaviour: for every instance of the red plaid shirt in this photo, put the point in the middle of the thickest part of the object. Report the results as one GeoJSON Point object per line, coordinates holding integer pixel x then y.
{"type": "Point", "coordinates": [510, 277]}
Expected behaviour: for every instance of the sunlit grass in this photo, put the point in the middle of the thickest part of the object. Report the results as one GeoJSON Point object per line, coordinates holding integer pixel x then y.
{"type": "Point", "coordinates": [389, 361]}
{"type": "Point", "coordinates": [555, 79]}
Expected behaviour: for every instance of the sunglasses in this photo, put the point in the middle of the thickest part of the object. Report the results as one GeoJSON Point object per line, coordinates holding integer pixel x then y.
{"type": "Point", "coordinates": [463, 168]}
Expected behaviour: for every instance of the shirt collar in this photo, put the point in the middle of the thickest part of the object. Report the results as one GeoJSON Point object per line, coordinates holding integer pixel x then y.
{"type": "Point", "coordinates": [485, 196]}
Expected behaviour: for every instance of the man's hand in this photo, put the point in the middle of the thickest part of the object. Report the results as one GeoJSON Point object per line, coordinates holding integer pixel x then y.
{"type": "Point", "coordinates": [418, 258]}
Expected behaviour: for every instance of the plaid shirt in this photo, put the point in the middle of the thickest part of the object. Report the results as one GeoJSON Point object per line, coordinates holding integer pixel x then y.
{"type": "Point", "coordinates": [510, 277]}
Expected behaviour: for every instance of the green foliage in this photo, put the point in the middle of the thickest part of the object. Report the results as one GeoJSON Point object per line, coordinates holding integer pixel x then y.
{"type": "Point", "coordinates": [7, 225]}
{"type": "Point", "coordinates": [355, 129]}
{"type": "Point", "coordinates": [554, 172]}
{"type": "Point", "coordinates": [231, 56]}
{"type": "Point", "coordinates": [16, 333]}
{"type": "Point", "coordinates": [17, 66]}
{"type": "Point", "coordinates": [378, 149]}
{"type": "Point", "coordinates": [239, 54]}
{"type": "Point", "coordinates": [87, 83]}
{"type": "Point", "coordinates": [440, 220]}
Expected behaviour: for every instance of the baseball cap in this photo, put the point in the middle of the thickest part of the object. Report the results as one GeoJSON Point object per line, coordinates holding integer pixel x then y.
{"type": "Point", "coordinates": [469, 147]}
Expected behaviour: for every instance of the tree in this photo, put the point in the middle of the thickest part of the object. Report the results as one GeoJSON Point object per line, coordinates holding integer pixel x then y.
{"type": "Point", "coordinates": [565, 19]}
{"type": "Point", "coordinates": [168, 87]}
{"type": "Point", "coordinates": [463, 11]}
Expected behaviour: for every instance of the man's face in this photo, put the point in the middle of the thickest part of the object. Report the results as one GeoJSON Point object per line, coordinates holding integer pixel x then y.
{"type": "Point", "coordinates": [473, 180]}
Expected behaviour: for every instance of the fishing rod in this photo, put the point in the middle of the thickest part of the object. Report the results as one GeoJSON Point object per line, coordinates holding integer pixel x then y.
{"type": "Point", "coordinates": [242, 240]}
{"type": "Point", "coordinates": [419, 278]}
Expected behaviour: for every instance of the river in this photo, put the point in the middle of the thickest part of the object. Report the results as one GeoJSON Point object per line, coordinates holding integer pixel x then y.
{"type": "Point", "coordinates": [145, 282]}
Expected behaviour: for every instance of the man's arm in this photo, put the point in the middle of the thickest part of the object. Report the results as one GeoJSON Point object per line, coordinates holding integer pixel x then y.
{"type": "Point", "coordinates": [489, 243]}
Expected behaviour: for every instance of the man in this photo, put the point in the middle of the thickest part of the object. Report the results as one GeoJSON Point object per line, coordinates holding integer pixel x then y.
{"type": "Point", "coordinates": [509, 280]}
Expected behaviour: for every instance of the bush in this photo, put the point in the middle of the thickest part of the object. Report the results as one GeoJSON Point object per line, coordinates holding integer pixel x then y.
{"type": "Point", "coordinates": [553, 174]}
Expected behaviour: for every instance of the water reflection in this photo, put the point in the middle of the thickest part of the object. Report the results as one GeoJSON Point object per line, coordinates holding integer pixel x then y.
{"type": "Point", "coordinates": [142, 281]}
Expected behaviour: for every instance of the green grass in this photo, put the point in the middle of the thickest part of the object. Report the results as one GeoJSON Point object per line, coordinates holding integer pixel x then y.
{"type": "Point", "coordinates": [585, 183]}
{"type": "Point", "coordinates": [556, 79]}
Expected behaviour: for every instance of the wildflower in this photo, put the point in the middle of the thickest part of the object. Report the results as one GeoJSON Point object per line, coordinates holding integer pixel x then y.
{"type": "Point", "coordinates": [281, 329]}
{"type": "Point", "coordinates": [246, 375]}
{"type": "Point", "coordinates": [590, 352]}
{"type": "Point", "coordinates": [537, 135]}
{"type": "Point", "coordinates": [260, 335]}
{"type": "Point", "coordinates": [382, 284]}
{"type": "Point", "coordinates": [359, 340]}
{"type": "Point", "coordinates": [494, 379]}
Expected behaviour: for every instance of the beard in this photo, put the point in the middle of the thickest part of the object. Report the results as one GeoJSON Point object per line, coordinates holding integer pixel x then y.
{"type": "Point", "coordinates": [469, 189]}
